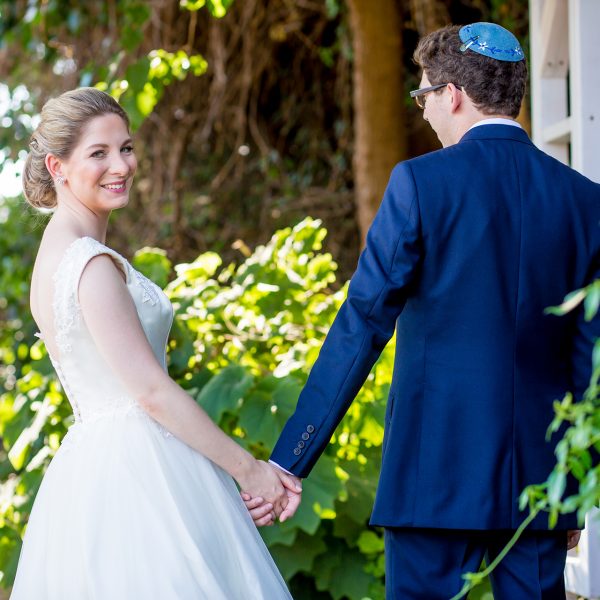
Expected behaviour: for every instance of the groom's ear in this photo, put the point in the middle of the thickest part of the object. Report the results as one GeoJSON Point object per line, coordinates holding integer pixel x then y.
{"type": "Point", "coordinates": [456, 97]}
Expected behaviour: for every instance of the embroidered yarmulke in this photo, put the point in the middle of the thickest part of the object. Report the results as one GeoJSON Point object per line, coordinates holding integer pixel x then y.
{"type": "Point", "coordinates": [491, 40]}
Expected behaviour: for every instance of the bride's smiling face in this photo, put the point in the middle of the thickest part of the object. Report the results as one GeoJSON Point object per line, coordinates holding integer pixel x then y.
{"type": "Point", "coordinates": [99, 172]}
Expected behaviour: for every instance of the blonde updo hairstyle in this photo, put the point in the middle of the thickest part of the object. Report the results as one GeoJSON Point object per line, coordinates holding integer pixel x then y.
{"type": "Point", "coordinates": [62, 122]}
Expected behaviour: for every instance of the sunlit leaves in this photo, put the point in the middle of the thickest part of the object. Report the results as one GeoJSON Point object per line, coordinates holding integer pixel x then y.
{"type": "Point", "coordinates": [154, 264]}
{"type": "Point", "coordinates": [592, 300]}
{"type": "Point", "coordinates": [571, 301]}
{"type": "Point", "coordinates": [167, 66]}
{"type": "Point", "coordinates": [224, 392]}
{"type": "Point", "coordinates": [578, 451]}
{"type": "Point", "coordinates": [267, 407]}
{"type": "Point", "coordinates": [10, 548]}
{"type": "Point", "coordinates": [146, 79]}
{"type": "Point", "coordinates": [217, 8]}
{"type": "Point", "coordinates": [319, 493]}
{"type": "Point", "coordinates": [370, 543]}
{"type": "Point", "coordinates": [204, 267]}
{"type": "Point", "coordinates": [47, 36]}
{"type": "Point", "coordinates": [33, 411]}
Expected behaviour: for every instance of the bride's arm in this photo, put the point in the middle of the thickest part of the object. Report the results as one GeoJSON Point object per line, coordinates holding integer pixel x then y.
{"type": "Point", "coordinates": [112, 320]}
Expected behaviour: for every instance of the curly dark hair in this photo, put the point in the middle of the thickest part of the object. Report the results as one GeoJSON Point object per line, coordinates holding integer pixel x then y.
{"type": "Point", "coordinates": [496, 87]}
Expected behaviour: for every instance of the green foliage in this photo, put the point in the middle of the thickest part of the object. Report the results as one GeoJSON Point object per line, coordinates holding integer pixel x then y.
{"type": "Point", "coordinates": [576, 452]}
{"type": "Point", "coordinates": [243, 339]}
{"type": "Point", "coordinates": [46, 35]}
{"type": "Point", "coordinates": [27, 395]}
{"type": "Point", "coordinates": [217, 8]}
{"type": "Point", "coordinates": [145, 81]}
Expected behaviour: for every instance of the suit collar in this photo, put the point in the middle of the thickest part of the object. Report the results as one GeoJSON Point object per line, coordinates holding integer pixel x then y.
{"type": "Point", "coordinates": [496, 132]}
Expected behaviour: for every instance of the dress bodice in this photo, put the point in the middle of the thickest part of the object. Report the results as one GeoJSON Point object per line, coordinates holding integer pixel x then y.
{"type": "Point", "coordinates": [89, 383]}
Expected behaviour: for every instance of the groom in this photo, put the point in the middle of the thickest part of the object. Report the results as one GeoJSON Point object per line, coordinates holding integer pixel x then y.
{"type": "Point", "coordinates": [470, 245]}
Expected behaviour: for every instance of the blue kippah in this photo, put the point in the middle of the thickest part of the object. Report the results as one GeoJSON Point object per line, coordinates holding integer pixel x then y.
{"type": "Point", "coordinates": [491, 40]}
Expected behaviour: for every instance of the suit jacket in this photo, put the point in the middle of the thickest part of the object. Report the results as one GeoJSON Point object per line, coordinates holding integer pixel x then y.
{"type": "Point", "coordinates": [470, 245]}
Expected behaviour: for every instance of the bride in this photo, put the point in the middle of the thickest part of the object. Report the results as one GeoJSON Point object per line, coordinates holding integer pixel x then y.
{"type": "Point", "coordinates": [140, 500]}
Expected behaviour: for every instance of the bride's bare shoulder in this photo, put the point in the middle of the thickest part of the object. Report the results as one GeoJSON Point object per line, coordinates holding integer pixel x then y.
{"type": "Point", "coordinates": [51, 251]}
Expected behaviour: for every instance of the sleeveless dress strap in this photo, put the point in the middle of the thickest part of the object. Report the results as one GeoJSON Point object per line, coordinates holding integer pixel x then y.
{"type": "Point", "coordinates": [65, 305]}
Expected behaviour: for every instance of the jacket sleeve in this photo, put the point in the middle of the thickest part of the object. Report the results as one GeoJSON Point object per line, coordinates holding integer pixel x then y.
{"type": "Point", "coordinates": [586, 334]}
{"type": "Point", "coordinates": [361, 329]}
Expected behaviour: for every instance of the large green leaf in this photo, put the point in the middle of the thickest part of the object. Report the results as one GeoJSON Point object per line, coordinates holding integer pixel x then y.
{"type": "Point", "coordinates": [154, 264]}
{"type": "Point", "coordinates": [360, 488]}
{"type": "Point", "coordinates": [225, 391]}
{"type": "Point", "coordinates": [319, 492]}
{"type": "Point", "coordinates": [341, 571]}
{"type": "Point", "coordinates": [257, 418]}
{"type": "Point", "coordinates": [267, 407]}
{"type": "Point", "coordinates": [281, 533]}
{"type": "Point", "coordinates": [299, 557]}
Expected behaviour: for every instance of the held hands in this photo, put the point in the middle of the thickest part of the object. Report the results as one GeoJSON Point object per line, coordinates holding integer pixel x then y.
{"type": "Point", "coordinates": [259, 479]}
{"type": "Point", "coordinates": [264, 511]}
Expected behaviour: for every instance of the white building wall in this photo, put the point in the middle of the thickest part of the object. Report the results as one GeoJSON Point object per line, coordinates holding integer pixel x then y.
{"type": "Point", "coordinates": [565, 117]}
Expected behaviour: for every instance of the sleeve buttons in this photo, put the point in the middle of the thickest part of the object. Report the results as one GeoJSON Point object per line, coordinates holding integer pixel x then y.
{"type": "Point", "coordinates": [305, 437]}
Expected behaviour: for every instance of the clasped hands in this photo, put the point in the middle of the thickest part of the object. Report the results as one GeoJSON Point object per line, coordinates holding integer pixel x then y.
{"type": "Point", "coordinates": [270, 493]}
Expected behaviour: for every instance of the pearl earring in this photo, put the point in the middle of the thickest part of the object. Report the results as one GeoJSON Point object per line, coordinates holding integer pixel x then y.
{"type": "Point", "coordinates": [60, 179]}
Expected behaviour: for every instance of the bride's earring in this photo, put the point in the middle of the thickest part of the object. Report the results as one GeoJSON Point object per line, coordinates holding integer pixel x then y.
{"type": "Point", "coordinates": [60, 180]}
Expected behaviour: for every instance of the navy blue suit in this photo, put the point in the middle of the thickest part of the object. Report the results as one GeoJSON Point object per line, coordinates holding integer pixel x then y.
{"type": "Point", "coordinates": [470, 245]}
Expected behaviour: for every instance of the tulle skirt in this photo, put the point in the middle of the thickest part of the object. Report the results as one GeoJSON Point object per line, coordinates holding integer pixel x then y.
{"type": "Point", "coordinates": [129, 512]}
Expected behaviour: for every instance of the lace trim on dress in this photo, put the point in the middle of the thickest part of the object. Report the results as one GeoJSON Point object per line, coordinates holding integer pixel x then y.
{"type": "Point", "coordinates": [114, 408]}
{"type": "Point", "coordinates": [119, 407]}
{"type": "Point", "coordinates": [149, 294]}
{"type": "Point", "coordinates": [65, 306]}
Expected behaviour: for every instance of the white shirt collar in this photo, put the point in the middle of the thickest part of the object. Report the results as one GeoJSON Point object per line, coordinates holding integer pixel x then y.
{"type": "Point", "coordinates": [496, 121]}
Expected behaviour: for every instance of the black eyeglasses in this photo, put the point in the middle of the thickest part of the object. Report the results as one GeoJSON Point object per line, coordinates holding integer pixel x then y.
{"type": "Point", "coordinates": [419, 95]}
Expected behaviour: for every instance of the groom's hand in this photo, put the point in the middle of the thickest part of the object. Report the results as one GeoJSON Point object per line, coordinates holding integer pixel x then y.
{"type": "Point", "coordinates": [293, 489]}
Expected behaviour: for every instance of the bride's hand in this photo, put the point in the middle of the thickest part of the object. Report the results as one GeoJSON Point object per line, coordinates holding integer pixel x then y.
{"type": "Point", "coordinates": [260, 511]}
{"type": "Point", "coordinates": [260, 479]}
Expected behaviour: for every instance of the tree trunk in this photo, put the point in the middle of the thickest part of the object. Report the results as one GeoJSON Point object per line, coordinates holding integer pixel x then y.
{"type": "Point", "coordinates": [379, 113]}
{"type": "Point", "coordinates": [429, 15]}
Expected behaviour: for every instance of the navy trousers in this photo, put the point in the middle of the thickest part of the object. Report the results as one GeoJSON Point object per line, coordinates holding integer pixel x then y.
{"type": "Point", "coordinates": [427, 564]}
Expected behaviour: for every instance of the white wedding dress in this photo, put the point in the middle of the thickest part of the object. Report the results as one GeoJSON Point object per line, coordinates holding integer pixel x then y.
{"type": "Point", "coordinates": [127, 511]}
